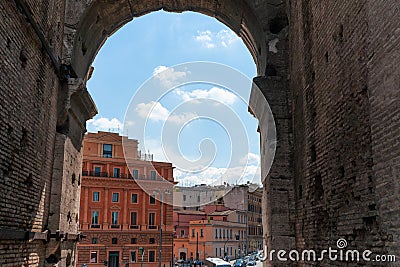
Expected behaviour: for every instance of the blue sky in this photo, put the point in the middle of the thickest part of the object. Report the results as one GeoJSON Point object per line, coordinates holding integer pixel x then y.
{"type": "Point", "coordinates": [154, 44]}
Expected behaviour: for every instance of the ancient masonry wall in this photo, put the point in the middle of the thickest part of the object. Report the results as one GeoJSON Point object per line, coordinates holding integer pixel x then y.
{"type": "Point", "coordinates": [346, 104]}
{"type": "Point", "coordinates": [28, 113]}
{"type": "Point", "coordinates": [332, 79]}
{"type": "Point", "coordinates": [42, 113]}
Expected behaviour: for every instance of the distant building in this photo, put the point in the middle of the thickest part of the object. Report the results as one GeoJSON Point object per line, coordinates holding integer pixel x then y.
{"type": "Point", "coordinates": [220, 232]}
{"type": "Point", "coordinates": [245, 200]}
{"type": "Point", "coordinates": [117, 215]}
{"type": "Point", "coordinates": [254, 223]}
{"type": "Point", "coordinates": [195, 197]}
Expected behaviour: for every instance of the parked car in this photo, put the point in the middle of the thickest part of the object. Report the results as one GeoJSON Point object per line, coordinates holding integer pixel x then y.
{"type": "Point", "coordinates": [239, 263]}
{"type": "Point", "coordinates": [198, 263]}
{"type": "Point", "coordinates": [183, 263]}
{"type": "Point", "coordinates": [251, 263]}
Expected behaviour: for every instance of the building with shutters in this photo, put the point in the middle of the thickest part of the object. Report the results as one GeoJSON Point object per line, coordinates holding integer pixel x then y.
{"type": "Point", "coordinates": [120, 208]}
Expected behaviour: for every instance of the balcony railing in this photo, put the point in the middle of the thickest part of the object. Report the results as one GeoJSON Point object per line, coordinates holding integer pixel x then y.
{"type": "Point", "coordinates": [139, 227]}
{"type": "Point", "coordinates": [120, 175]}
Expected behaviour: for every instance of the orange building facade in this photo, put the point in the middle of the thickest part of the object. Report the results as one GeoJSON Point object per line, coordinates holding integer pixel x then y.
{"type": "Point", "coordinates": [119, 217]}
{"type": "Point", "coordinates": [221, 233]}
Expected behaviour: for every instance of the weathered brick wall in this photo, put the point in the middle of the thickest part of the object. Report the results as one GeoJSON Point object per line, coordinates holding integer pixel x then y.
{"type": "Point", "coordinates": [342, 76]}
{"type": "Point", "coordinates": [33, 106]}
{"type": "Point", "coordinates": [345, 167]}
{"type": "Point", "coordinates": [384, 95]}
{"type": "Point", "coordinates": [28, 98]}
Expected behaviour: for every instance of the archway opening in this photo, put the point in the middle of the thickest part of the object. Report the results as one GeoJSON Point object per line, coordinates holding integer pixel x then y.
{"type": "Point", "coordinates": [87, 45]}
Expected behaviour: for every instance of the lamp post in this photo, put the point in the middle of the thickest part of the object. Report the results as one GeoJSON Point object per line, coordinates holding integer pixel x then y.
{"type": "Point", "coordinates": [225, 254]}
{"type": "Point", "coordinates": [197, 247]}
{"type": "Point", "coordinates": [245, 245]}
{"type": "Point", "coordinates": [160, 225]}
{"type": "Point", "coordinates": [237, 239]}
{"type": "Point", "coordinates": [161, 213]}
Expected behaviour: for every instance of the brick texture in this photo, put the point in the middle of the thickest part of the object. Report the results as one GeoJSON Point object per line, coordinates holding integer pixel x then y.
{"type": "Point", "coordinates": [328, 68]}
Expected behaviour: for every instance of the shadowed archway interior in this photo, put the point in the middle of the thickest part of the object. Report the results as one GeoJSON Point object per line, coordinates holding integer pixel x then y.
{"type": "Point", "coordinates": [327, 68]}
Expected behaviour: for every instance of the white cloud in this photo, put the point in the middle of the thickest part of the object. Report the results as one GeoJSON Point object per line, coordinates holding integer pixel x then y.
{"type": "Point", "coordinates": [153, 111]}
{"type": "Point", "coordinates": [209, 39]}
{"type": "Point", "coordinates": [159, 69]}
{"type": "Point", "coordinates": [154, 147]}
{"type": "Point", "coordinates": [181, 118]}
{"type": "Point", "coordinates": [250, 159]}
{"type": "Point", "coordinates": [169, 77]}
{"type": "Point", "coordinates": [214, 176]}
{"type": "Point", "coordinates": [227, 38]}
{"type": "Point", "coordinates": [215, 93]}
{"type": "Point", "coordinates": [205, 38]}
{"type": "Point", "coordinates": [104, 124]}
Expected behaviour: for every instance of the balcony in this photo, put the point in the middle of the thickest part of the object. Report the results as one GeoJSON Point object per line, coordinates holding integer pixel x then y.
{"type": "Point", "coordinates": [120, 176]}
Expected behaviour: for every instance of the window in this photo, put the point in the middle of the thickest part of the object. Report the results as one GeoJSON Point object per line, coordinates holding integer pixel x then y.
{"type": "Point", "coordinates": [152, 200]}
{"type": "Point", "coordinates": [152, 240]}
{"type": "Point", "coordinates": [134, 198]}
{"type": "Point", "coordinates": [216, 233]}
{"type": "Point", "coordinates": [133, 240]}
{"type": "Point", "coordinates": [230, 235]}
{"type": "Point", "coordinates": [107, 151]}
{"type": "Point", "coordinates": [117, 172]}
{"type": "Point", "coordinates": [115, 197]}
{"type": "Point", "coordinates": [114, 217]}
{"type": "Point", "coordinates": [96, 196]}
{"type": "Point", "coordinates": [133, 256]}
{"type": "Point", "coordinates": [201, 233]}
{"type": "Point", "coordinates": [223, 233]}
{"type": "Point", "coordinates": [95, 217]}
{"type": "Point", "coordinates": [192, 232]}
{"type": "Point", "coordinates": [97, 171]}
{"type": "Point", "coordinates": [114, 240]}
{"type": "Point", "coordinates": [198, 198]}
{"type": "Point", "coordinates": [152, 218]}
{"type": "Point", "coordinates": [220, 233]}
{"type": "Point", "coordinates": [93, 256]}
{"type": "Point", "coordinates": [135, 174]}
{"type": "Point", "coordinates": [95, 240]}
{"type": "Point", "coordinates": [182, 233]}
{"type": "Point", "coordinates": [216, 252]}
{"type": "Point", "coordinates": [152, 256]}
{"type": "Point", "coordinates": [153, 175]}
{"type": "Point", "coordinates": [184, 197]}
{"type": "Point", "coordinates": [133, 218]}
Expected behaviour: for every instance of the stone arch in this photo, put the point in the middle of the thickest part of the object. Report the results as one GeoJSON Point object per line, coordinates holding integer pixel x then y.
{"type": "Point", "coordinates": [102, 18]}
{"type": "Point", "coordinates": [263, 27]}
